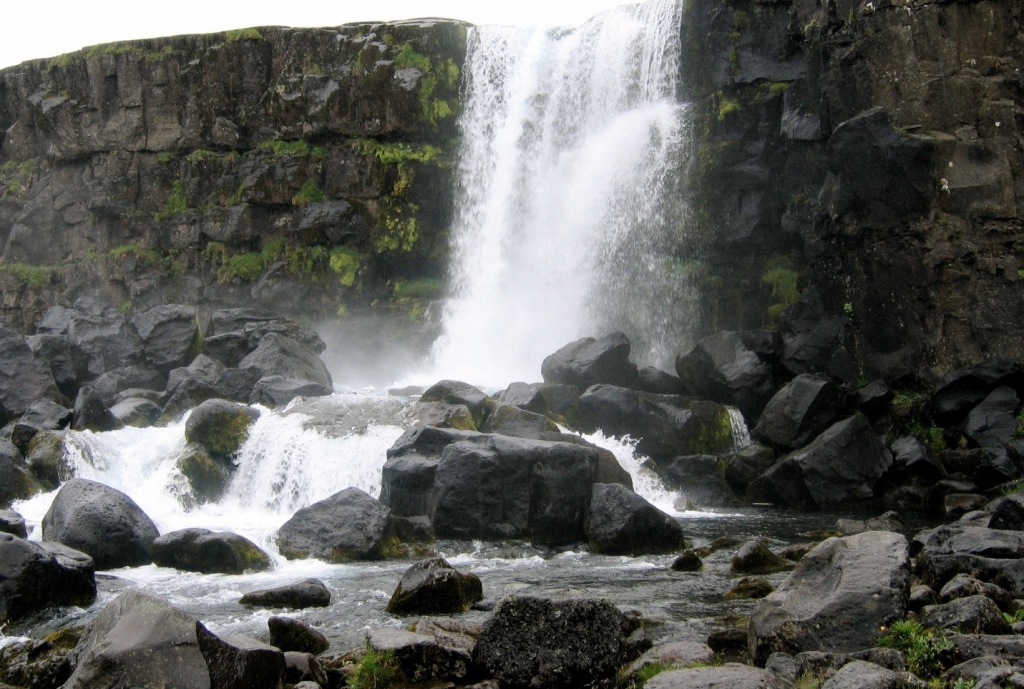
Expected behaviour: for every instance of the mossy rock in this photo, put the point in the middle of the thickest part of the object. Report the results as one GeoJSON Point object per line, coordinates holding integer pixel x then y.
{"type": "Point", "coordinates": [749, 587]}
{"type": "Point", "coordinates": [207, 477]}
{"type": "Point", "coordinates": [200, 550]}
{"type": "Point", "coordinates": [445, 415]}
{"type": "Point", "coordinates": [220, 426]}
{"type": "Point", "coordinates": [47, 461]}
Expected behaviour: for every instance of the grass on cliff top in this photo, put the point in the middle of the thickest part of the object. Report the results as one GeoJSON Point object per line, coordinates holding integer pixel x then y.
{"type": "Point", "coordinates": [176, 203]}
{"type": "Point", "coordinates": [243, 35]}
{"type": "Point", "coordinates": [28, 274]}
{"type": "Point", "coordinates": [298, 148]}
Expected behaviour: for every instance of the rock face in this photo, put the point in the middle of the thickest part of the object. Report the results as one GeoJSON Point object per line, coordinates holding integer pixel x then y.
{"type": "Point", "coordinates": [201, 550]}
{"type": "Point", "coordinates": [731, 675]}
{"type": "Point", "coordinates": [578, 642]}
{"type": "Point", "coordinates": [170, 335]}
{"type": "Point", "coordinates": [623, 523]}
{"type": "Point", "coordinates": [102, 522]}
{"type": "Point", "coordinates": [724, 369]}
{"type": "Point", "coordinates": [23, 379]}
{"type": "Point", "coordinates": [141, 640]}
{"type": "Point", "coordinates": [349, 525]}
{"type": "Point", "coordinates": [36, 576]}
{"type": "Point", "coordinates": [987, 554]}
{"type": "Point", "coordinates": [837, 599]}
{"type": "Point", "coordinates": [798, 413]}
{"type": "Point", "coordinates": [433, 587]}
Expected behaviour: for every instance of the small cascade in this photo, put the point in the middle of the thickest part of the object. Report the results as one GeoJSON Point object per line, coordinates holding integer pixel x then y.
{"type": "Point", "coordinates": [740, 432]}
{"type": "Point", "coordinates": [646, 482]}
{"type": "Point", "coordinates": [569, 216]}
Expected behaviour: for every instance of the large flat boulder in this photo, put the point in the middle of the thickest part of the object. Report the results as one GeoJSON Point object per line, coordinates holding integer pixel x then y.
{"type": "Point", "coordinates": [587, 362]}
{"type": "Point", "coordinates": [839, 598]}
{"type": "Point", "coordinates": [350, 525]}
{"type": "Point", "coordinates": [731, 675]}
{"type": "Point", "coordinates": [310, 593]}
{"type": "Point", "coordinates": [278, 355]}
{"type": "Point", "coordinates": [623, 523]}
{"type": "Point", "coordinates": [36, 576]}
{"type": "Point", "coordinates": [798, 413]}
{"type": "Point", "coordinates": [102, 522]}
{"type": "Point", "coordinates": [201, 550]}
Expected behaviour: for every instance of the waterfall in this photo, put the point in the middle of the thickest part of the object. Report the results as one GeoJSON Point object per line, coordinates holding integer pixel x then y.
{"type": "Point", "coordinates": [569, 219]}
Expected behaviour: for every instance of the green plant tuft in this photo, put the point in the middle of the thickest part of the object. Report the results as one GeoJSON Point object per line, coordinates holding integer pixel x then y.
{"type": "Point", "coordinates": [407, 57]}
{"type": "Point", "coordinates": [423, 288]}
{"type": "Point", "coordinates": [309, 193]}
{"type": "Point", "coordinates": [243, 35]}
{"type": "Point", "coordinates": [345, 261]}
{"type": "Point", "coordinates": [32, 275]}
{"type": "Point", "coordinates": [375, 670]}
{"type": "Point", "coordinates": [783, 282]}
{"type": "Point", "coordinates": [176, 203]}
{"type": "Point", "coordinates": [922, 647]}
{"type": "Point", "coordinates": [165, 157]}
{"type": "Point", "coordinates": [727, 107]}
{"type": "Point", "coordinates": [136, 252]}
{"type": "Point", "coordinates": [201, 155]}
{"type": "Point", "coordinates": [298, 147]}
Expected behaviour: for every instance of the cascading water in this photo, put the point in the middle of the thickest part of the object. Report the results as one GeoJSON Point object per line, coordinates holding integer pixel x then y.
{"type": "Point", "coordinates": [569, 213]}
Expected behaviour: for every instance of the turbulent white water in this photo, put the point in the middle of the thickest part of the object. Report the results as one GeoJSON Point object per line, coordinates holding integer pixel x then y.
{"type": "Point", "coordinates": [567, 211]}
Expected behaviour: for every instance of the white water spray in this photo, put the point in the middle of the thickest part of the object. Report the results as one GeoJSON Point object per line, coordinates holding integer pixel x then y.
{"type": "Point", "coordinates": [568, 213]}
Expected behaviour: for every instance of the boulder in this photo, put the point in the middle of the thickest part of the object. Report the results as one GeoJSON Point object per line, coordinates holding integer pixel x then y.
{"type": "Point", "coordinates": [420, 658]}
{"type": "Point", "coordinates": [347, 526]}
{"type": "Point", "coordinates": [294, 635]}
{"type": "Point", "coordinates": [311, 593]}
{"type": "Point", "coordinates": [623, 523]}
{"type": "Point", "coordinates": [560, 399]}
{"type": "Point", "coordinates": [278, 355]}
{"type": "Point", "coordinates": [799, 412]}
{"type": "Point", "coordinates": [433, 587]}
{"type": "Point", "coordinates": [993, 422]}
{"type": "Point", "coordinates": [255, 323]}
{"type": "Point", "coordinates": [37, 576]}
{"type": "Point", "coordinates": [91, 413]}
{"type": "Point", "coordinates": [535, 642]}
{"type": "Point", "coordinates": [277, 391]}
{"type": "Point", "coordinates": [444, 415]}
{"type": "Point", "coordinates": [968, 615]}
{"type": "Point", "coordinates": [839, 597]}
{"type": "Point", "coordinates": [109, 385]}
{"type": "Point", "coordinates": [728, 640]}
{"type": "Point", "coordinates": [220, 426]}
{"type": "Point", "coordinates": [303, 668]}
{"type": "Point", "coordinates": [1008, 513]}
{"type": "Point", "coordinates": [201, 550]}
{"type": "Point", "coordinates": [237, 384]}
{"type": "Point", "coordinates": [97, 329]}
{"type": "Point", "coordinates": [189, 394]}
{"type": "Point", "coordinates": [13, 523]}
{"type": "Point", "coordinates": [890, 521]}
{"type": "Point", "coordinates": [207, 477]}
{"type": "Point", "coordinates": [136, 412]}
{"type": "Point", "coordinates": [987, 467]}
{"type": "Point", "coordinates": [141, 640]}
{"type": "Point", "coordinates": [665, 426]}
{"type": "Point", "coordinates": [911, 459]}
{"type": "Point", "coordinates": [962, 390]}
{"type": "Point", "coordinates": [701, 478]}
{"type": "Point", "coordinates": [732, 675]}
{"type": "Point", "coordinates": [991, 555]}
{"type": "Point", "coordinates": [723, 369]}
{"type": "Point", "coordinates": [47, 461]}
{"type": "Point", "coordinates": [587, 362]}
{"type": "Point", "coordinates": [38, 663]}
{"type": "Point", "coordinates": [523, 395]}
{"type": "Point", "coordinates": [754, 557]}
{"type": "Point", "coordinates": [407, 480]}
{"type": "Point", "coordinates": [749, 587]}
{"type": "Point", "coordinates": [873, 400]}
{"type": "Point", "coordinates": [860, 674]}
{"type": "Point", "coordinates": [674, 654]}
{"type": "Point", "coordinates": [456, 393]}
{"type": "Point", "coordinates": [68, 364]}
{"type": "Point", "coordinates": [228, 348]}
{"type": "Point", "coordinates": [509, 420]}
{"type": "Point", "coordinates": [41, 415]}
{"type": "Point", "coordinates": [102, 522]}
{"type": "Point", "coordinates": [840, 468]}
{"type": "Point", "coordinates": [16, 483]}
{"type": "Point", "coordinates": [657, 382]}
{"type": "Point", "coordinates": [170, 335]}
{"type": "Point", "coordinates": [745, 465]}
{"type": "Point", "coordinates": [23, 378]}
{"type": "Point", "coordinates": [202, 368]}
{"type": "Point", "coordinates": [688, 561]}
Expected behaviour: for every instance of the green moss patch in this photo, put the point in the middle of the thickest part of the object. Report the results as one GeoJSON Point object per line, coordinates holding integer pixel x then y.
{"type": "Point", "coordinates": [31, 275]}
{"type": "Point", "coordinates": [176, 203]}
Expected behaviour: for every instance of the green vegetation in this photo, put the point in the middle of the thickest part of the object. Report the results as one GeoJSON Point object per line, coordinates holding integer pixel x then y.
{"type": "Point", "coordinates": [434, 75]}
{"type": "Point", "coordinates": [346, 261]}
{"type": "Point", "coordinates": [165, 157]}
{"type": "Point", "coordinates": [848, 308]}
{"type": "Point", "coordinates": [423, 288]}
{"type": "Point", "coordinates": [245, 266]}
{"type": "Point", "coordinates": [16, 177]}
{"type": "Point", "coordinates": [1015, 617]}
{"type": "Point", "coordinates": [1020, 273]}
{"type": "Point", "coordinates": [136, 252]}
{"type": "Point", "coordinates": [309, 193]}
{"type": "Point", "coordinates": [397, 229]}
{"type": "Point", "coordinates": [1019, 431]}
{"type": "Point", "coordinates": [727, 107]}
{"type": "Point", "coordinates": [298, 147]}
{"type": "Point", "coordinates": [28, 274]}
{"type": "Point", "coordinates": [311, 260]}
{"type": "Point", "coordinates": [397, 153]}
{"type": "Point", "coordinates": [375, 670]}
{"type": "Point", "coordinates": [783, 282]}
{"type": "Point", "coordinates": [243, 35]}
{"type": "Point", "coordinates": [201, 155]}
{"type": "Point", "coordinates": [922, 647]}
{"type": "Point", "coordinates": [407, 57]}
{"type": "Point", "coordinates": [176, 203]}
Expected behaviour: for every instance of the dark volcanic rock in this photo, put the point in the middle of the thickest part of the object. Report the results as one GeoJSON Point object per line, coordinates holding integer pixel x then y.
{"type": "Point", "coordinates": [201, 550]}
{"type": "Point", "coordinates": [433, 587]}
{"type": "Point", "coordinates": [420, 658]}
{"type": "Point", "coordinates": [97, 329]}
{"type": "Point", "coordinates": [754, 557]}
{"type": "Point", "coordinates": [657, 382]}
{"type": "Point", "coordinates": [236, 384]}
{"type": "Point", "coordinates": [113, 382]}
{"type": "Point", "coordinates": [170, 335]}
{"type": "Point", "coordinates": [749, 587]}
{"type": "Point", "coordinates": [277, 391]}
{"type": "Point", "coordinates": [970, 615]}
{"type": "Point", "coordinates": [190, 393]}
{"type": "Point", "coordinates": [255, 323]}
{"type": "Point", "coordinates": [457, 393]}
{"type": "Point", "coordinates": [723, 369]}
{"type": "Point", "coordinates": [208, 477]}
{"type": "Point", "coordinates": [799, 412]}
{"type": "Point", "coordinates": [68, 364]}
{"type": "Point", "coordinates": [523, 395]}
{"type": "Point", "coordinates": [579, 642]}
{"type": "Point", "coordinates": [743, 466]}
{"type": "Point", "coordinates": [311, 593]}
{"type": "Point", "coordinates": [992, 423]}
{"type": "Point", "coordinates": [36, 576]}
{"type": "Point", "coordinates": [136, 412]}
{"type": "Point", "coordinates": [278, 355]}
{"type": "Point", "coordinates": [407, 480]}
{"type": "Point", "coordinates": [701, 478]}
{"type": "Point", "coordinates": [347, 526]}
{"type": "Point", "coordinates": [509, 420]}
{"type": "Point", "coordinates": [623, 523]}
{"type": "Point", "coordinates": [220, 426]}
{"type": "Point", "coordinates": [102, 522]}
{"type": "Point", "coordinates": [912, 459]}
{"type": "Point", "coordinates": [41, 415]}
{"type": "Point", "coordinates": [838, 598]}
{"type": "Point", "coordinates": [839, 468]}
{"type": "Point", "coordinates": [1009, 513]}
{"type": "Point", "coordinates": [16, 483]}
{"type": "Point", "coordinates": [731, 675]}
{"type": "Point", "coordinates": [293, 635]}
{"type": "Point", "coordinates": [987, 554]}
{"type": "Point", "coordinates": [91, 413]}
{"type": "Point", "coordinates": [589, 362]}
{"type": "Point", "coordinates": [13, 523]}
{"type": "Point", "coordinates": [23, 378]}
{"type": "Point", "coordinates": [962, 390]}
{"type": "Point", "coordinates": [688, 561]}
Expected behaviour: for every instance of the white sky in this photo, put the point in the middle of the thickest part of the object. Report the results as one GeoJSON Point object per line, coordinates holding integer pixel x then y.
{"type": "Point", "coordinates": [43, 28]}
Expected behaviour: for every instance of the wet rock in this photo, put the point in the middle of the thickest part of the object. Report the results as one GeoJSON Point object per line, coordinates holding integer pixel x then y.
{"type": "Point", "coordinates": [37, 663]}
{"type": "Point", "coordinates": [228, 348]}
{"type": "Point", "coordinates": [141, 640]}
{"type": "Point", "coordinates": [99, 330]}
{"type": "Point", "coordinates": [444, 415]}
{"type": "Point", "coordinates": [920, 596]}
{"type": "Point", "coordinates": [202, 368]}
{"type": "Point", "coordinates": [349, 525]}
{"type": "Point", "coordinates": [23, 378]}
{"type": "Point", "coordinates": [207, 477]}
{"type": "Point", "coordinates": [448, 631]}
{"type": "Point", "coordinates": [839, 468]}
{"type": "Point", "coordinates": [255, 323]}
{"type": "Point", "coordinates": [623, 523]}
{"type": "Point", "coordinates": [277, 391]}
{"type": "Point", "coordinates": [964, 585]}
{"type": "Point", "coordinates": [136, 412]}
{"type": "Point", "coordinates": [890, 521]}
{"type": "Point", "coordinates": [688, 561]}
{"type": "Point", "coordinates": [962, 390]}
{"type": "Point", "coordinates": [987, 554]}
{"type": "Point", "coordinates": [201, 550]}
{"type": "Point", "coordinates": [68, 364]}
{"type": "Point", "coordinates": [992, 423]}
{"type": "Point", "coordinates": [169, 334]}
{"type": "Point", "coordinates": [311, 593]}
{"type": "Point", "coordinates": [303, 667]}
{"type": "Point", "coordinates": [674, 654]}
{"type": "Point", "coordinates": [109, 385]}
{"type": "Point", "coordinates": [956, 504]}
{"type": "Point", "coordinates": [799, 412]}
{"type": "Point", "coordinates": [561, 399]}
{"type": "Point", "coordinates": [754, 557]}
{"type": "Point", "coordinates": [723, 369]}
{"type": "Point", "coordinates": [873, 399]}
{"type": "Point", "coordinates": [294, 635]}
{"type": "Point", "coordinates": [41, 415]}
{"type": "Point", "coordinates": [433, 587]}
{"type": "Point", "coordinates": [657, 382]}
{"type": "Point", "coordinates": [47, 462]}
{"type": "Point", "coordinates": [37, 576]}
{"type": "Point", "coordinates": [102, 522]}
{"type": "Point", "coordinates": [513, 421]}
{"type": "Point", "coordinates": [91, 413]}
{"type": "Point", "coordinates": [16, 483]}
{"type": "Point", "coordinates": [724, 640]}
{"type": "Point", "coordinates": [278, 355]}
{"type": "Point", "coordinates": [1008, 513]}
{"type": "Point", "coordinates": [220, 426]}
{"type": "Point", "coordinates": [190, 393]}
{"type": "Point", "coordinates": [859, 674]}
{"type": "Point", "coordinates": [13, 523]}
{"type": "Point", "coordinates": [968, 646]}
{"type": "Point", "coordinates": [837, 599]}
{"type": "Point", "coordinates": [407, 480]}
{"type": "Point", "coordinates": [420, 658]}
{"type": "Point", "coordinates": [523, 395]}
{"type": "Point", "coordinates": [988, 671]}
{"type": "Point", "coordinates": [588, 362]}
{"type": "Point", "coordinates": [237, 385]}
{"type": "Point", "coordinates": [701, 478]}
{"type": "Point", "coordinates": [731, 675]}
{"type": "Point", "coordinates": [456, 393]}
{"type": "Point", "coordinates": [743, 466]}
{"type": "Point", "coordinates": [970, 615]}
{"type": "Point", "coordinates": [749, 587]}
{"type": "Point", "coordinates": [578, 642]}
{"type": "Point", "coordinates": [913, 460]}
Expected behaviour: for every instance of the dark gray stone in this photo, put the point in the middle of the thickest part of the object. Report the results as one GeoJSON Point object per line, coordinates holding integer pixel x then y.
{"type": "Point", "coordinates": [723, 369]}
{"type": "Point", "coordinates": [220, 426]}
{"type": "Point", "coordinates": [277, 391]}
{"type": "Point", "coordinates": [37, 576]}
{"type": "Point", "coordinates": [968, 615]}
{"type": "Point", "coordinates": [509, 420]}
{"type": "Point", "coordinates": [799, 412]}
{"type": "Point", "coordinates": [420, 658]}
{"type": "Point", "coordinates": [201, 550]}
{"type": "Point", "coordinates": [731, 675]}
{"type": "Point", "coordinates": [13, 523]}
{"type": "Point", "coordinates": [136, 412]}
{"type": "Point", "coordinates": [278, 355]}
{"type": "Point", "coordinates": [68, 364]}
{"type": "Point", "coordinates": [294, 635]}
{"type": "Point", "coordinates": [623, 523]}
{"type": "Point", "coordinates": [169, 334]}
{"type": "Point", "coordinates": [311, 593]}
{"type": "Point", "coordinates": [433, 587]}
{"type": "Point", "coordinates": [992, 423]}
{"type": "Point", "coordinates": [588, 362]}
{"type": "Point", "coordinates": [23, 378]}
{"type": "Point", "coordinates": [523, 395]}
{"type": "Point", "coordinates": [91, 413]}
{"type": "Point", "coordinates": [347, 526]}
{"type": "Point", "coordinates": [41, 415]}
